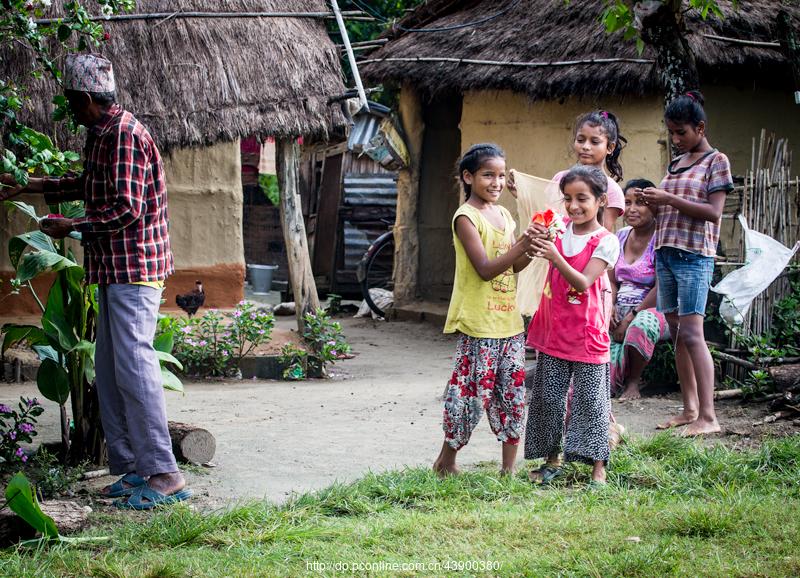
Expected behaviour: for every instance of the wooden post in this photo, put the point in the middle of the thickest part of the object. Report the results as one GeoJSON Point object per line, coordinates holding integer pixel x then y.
{"type": "Point", "coordinates": [406, 232]}
{"type": "Point", "coordinates": [294, 230]}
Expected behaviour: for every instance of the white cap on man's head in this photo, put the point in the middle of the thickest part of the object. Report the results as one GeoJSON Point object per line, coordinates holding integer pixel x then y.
{"type": "Point", "coordinates": [89, 73]}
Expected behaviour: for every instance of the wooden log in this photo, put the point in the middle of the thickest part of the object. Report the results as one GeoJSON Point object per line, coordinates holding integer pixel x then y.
{"type": "Point", "coordinates": [728, 393]}
{"type": "Point", "coordinates": [70, 517]}
{"type": "Point", "coordinates": [733, 359]}
{"type": "Point", "coordinates": [191, 443]}
{"type": "Point", "coordinates": [294, 230]}
{"type": "Point", "coordinates": [785, 376]}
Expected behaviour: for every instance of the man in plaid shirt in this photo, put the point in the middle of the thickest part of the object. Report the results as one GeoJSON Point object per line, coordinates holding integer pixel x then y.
{"type": "Point", "coordinates": [127, 253]}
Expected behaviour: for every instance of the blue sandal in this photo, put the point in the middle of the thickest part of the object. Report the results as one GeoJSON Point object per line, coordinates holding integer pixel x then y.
{"type": "Point", "coordinates": [146, 498]}
{"type": "Point", "coordinates": [547, 473]}
{"type": "Point", "coordinates": [124, 486]}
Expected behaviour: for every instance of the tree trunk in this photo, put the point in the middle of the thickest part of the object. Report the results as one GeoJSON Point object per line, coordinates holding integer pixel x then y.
{"type": "Point", "coordinates": [662, 27]}
{"type": "Point", "coordinates": [790, 45]}
{"type": "Point", "coordinates": [294, 230]}
{"type": "Point", "coordinates": [191, 443]}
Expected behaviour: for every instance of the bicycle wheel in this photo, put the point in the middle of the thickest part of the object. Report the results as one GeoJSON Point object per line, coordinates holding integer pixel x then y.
{"type": "Point", "coordinates": [376, 268]}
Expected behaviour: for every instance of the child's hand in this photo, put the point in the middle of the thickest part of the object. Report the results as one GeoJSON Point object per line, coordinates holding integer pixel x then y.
{"type": "Point", "coordinates": [654, 196]}
{"type": "Point", "coordinates": [544, 248]}
{"type": "Point", "coordinates": [511, 184]}
{"type": "Point", "coordinates": [538, 231]}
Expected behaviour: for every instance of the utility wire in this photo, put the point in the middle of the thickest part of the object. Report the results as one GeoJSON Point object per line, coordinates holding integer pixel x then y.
{"type": "Point", "coordinates": [384, 20]}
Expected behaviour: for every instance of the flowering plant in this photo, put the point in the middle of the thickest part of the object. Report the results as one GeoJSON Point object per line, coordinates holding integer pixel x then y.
{"type": "Point", "coordinates": [16, 427]}
{"type": "Point", "coordinates": [214, 344]}
{"type": "Point", "coordinates": [552, 221]}
{"type": "Point", "coordinates": [325, 337]}
{"type": "Point", "coordinates": [294, 361]}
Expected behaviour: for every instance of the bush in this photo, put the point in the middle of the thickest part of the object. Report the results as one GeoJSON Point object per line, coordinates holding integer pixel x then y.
{"type": "Point", "coordinates": [214, 344]}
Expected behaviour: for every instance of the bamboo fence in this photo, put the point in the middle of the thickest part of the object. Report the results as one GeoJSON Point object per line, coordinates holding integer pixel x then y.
{"type": "Point", "coordinates": [769, 199]}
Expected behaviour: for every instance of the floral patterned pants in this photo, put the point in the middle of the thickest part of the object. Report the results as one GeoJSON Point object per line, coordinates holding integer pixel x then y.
{"type": "Point", "coordinates": [488, 375]}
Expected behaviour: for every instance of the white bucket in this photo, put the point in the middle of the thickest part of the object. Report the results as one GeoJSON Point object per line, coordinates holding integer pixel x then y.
{"type": "Point", "coordinates": [261, 278]}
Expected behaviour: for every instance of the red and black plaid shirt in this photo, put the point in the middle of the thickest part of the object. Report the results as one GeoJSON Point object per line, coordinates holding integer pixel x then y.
{"type": "Point", "coordinates": [125, 230]}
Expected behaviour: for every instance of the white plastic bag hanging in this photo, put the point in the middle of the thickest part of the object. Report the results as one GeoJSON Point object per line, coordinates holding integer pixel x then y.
{"type": "Point", "coordinates": [765, 258]}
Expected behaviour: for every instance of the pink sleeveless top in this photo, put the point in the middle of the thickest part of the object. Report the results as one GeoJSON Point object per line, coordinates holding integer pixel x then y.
{"type": "Point", "coordinates": [571, 325]}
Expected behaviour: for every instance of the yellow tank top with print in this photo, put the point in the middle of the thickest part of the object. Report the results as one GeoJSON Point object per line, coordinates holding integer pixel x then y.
{"type": "Point", "coordinates": [484, 308]}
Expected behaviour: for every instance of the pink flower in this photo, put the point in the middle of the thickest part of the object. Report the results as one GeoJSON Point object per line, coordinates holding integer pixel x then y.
{"type": "Point", "coordinates": [237, 313]}
{"type": "Point", "coordinates": [186, 329]}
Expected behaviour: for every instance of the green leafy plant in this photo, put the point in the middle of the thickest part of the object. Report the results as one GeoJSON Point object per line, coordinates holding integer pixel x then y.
{"type": "Point", "coordinates": [294, 361]}
{"type": "Point", "coordinates": [269, 186]}
{"type": "Point", "coordinates": [17, 427]}
{"type": "Point", "coordinates": [758, 382]}
{"type": "Point", "coordinates": [324, 337]}
{"type": "Point", "coordinates": [52, 478]}
{"type": "Point", "coordinates": [214, 344]}
{"type": "Point", "coordinates": [22, 501]}
{"type": "Point", "coordinates": [334, 304]}
{"type": "Point", "coordinates": [661, 369]}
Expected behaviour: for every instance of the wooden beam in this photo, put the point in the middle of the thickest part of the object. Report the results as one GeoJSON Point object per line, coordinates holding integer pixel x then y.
{"type": "Point", "coordinates": [294, 230]}
{"type": "Point", "coordinates": [406, 228]}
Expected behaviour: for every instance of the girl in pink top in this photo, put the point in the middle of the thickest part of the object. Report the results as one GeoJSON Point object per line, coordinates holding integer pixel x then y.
{"type": "Point", "coordinates": [570, 332]}
{"type": "Point", "coordinates": [597, 143]}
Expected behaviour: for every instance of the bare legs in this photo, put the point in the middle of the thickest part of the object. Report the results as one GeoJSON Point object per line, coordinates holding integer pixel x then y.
{"type": "Point", "coordinates": [445, 463]}
{"type": "Point", "coordinates": [696, 373]}
{"type": "Point", "coordinates": [636, 365]}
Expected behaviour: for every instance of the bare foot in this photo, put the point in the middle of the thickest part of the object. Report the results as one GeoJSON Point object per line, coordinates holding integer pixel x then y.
{"type": "Point", "coordinates": [599, 476]}
{"type": "Point", "coordinates": [507, 471]}
{"type": "Point", "coordinates": [631, 392]}
{"type": "Point", "coordinates": [676, 421]}
{"type": "Point", "coordinates": [168, 483]}
{"type": "Point", "coordinates": [701, 427]}
{"type": "Point", "coordinates": [444, 471]}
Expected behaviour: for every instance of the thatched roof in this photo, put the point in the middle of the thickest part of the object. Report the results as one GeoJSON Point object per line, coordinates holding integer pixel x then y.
{"type": "Point", "coordinates": [197, 81]}
{"type": "Point", "coordinates": [549, 31]}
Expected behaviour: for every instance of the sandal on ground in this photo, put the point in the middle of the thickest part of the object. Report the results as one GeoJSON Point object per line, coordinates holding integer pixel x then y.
{"type": "Point", "coordinates": [146, 498]}
{"type": "Point", "coordinates": [546, 475]}
{"type": "Point", "coordinates": [124, 486]}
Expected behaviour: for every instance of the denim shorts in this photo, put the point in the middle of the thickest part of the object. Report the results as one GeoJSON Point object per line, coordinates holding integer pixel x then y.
{"type": "Point", "coordinates": [683, 281]}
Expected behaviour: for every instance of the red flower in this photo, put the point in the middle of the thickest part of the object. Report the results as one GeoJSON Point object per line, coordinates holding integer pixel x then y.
{"type": "Point", "coordinates": [518, 377]}
{"type": "Point", "coordinates": [106, 36]}
{"type": "Point", "coordinates": [544, 218]}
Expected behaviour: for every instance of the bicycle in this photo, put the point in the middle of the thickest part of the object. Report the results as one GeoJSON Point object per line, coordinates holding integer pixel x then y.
{"type": "Point", "coordinates": [376, 268]}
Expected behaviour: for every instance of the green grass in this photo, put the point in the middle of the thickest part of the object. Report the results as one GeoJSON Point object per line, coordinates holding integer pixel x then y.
{"type": "Point", "coordinates": [673, 508]}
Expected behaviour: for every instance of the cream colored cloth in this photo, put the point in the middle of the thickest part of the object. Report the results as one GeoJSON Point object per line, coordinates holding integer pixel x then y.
{"type": "Point", "coordinates": [533, 194]}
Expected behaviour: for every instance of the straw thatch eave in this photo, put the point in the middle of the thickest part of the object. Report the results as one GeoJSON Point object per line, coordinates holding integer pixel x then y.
{"type": "Point", "coordinates": [200, 81]}
{"type": "Point", "coordinates": [550, 31]}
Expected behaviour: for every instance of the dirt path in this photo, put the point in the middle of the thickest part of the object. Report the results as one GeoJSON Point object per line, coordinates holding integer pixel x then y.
{"type": "Point", "coordinates": [379, 411]}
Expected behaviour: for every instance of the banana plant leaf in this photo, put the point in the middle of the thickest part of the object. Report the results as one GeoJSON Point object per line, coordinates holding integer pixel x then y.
{"type": "Point", "coordinates": [53, 381]}
{"type": "Point", "coordinates": [22, 501]}
{"type": "Point", "coordinates": [38, 262]}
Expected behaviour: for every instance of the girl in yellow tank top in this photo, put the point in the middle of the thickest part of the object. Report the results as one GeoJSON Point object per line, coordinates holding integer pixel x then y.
{"type": "Point", "coordinates": [489, 365]}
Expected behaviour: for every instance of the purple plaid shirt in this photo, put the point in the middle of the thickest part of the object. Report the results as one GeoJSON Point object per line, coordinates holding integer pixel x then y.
{"type": "Point", "coordinates": [125, 230]}
{"type": "Point", "coordinates": [709, 174]}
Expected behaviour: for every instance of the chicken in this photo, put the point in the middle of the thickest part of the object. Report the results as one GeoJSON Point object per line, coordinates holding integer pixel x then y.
{"type": "Point", "coordinates": [193, 300]}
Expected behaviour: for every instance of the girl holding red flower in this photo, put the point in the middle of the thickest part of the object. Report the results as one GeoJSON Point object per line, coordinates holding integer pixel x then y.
{"type": "Point", "coordinates": [570, 332]}
{"type": "Point", "coordinates": [489, 366]}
